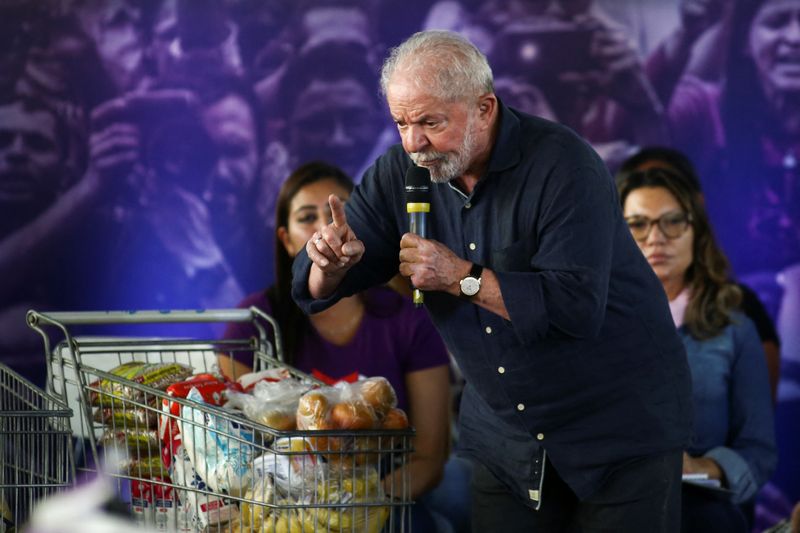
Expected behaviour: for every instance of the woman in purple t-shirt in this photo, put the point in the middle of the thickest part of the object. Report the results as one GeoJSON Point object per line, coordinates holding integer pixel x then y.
{"type": "Point", "coordinates": [375, 333]}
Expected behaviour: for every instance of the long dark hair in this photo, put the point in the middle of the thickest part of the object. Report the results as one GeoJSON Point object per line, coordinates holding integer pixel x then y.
{"type": "Point", "coordinates": [714, 296]}
{"type": "Point", "coordinates": [292, 321]}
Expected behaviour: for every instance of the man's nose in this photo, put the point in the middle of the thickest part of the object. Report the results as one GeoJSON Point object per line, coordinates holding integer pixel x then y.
{"type": "Point", "coordinates": [414, 139]}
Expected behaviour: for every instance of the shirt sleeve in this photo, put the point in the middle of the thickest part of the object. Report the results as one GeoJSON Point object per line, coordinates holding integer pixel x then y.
{"type": "Point", "coordinates": [566, 289]}
{"type": "Point", "coordinates": [750, 457]}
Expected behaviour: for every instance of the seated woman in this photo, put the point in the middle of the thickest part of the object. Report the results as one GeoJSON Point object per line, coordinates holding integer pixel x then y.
{"type": "Point", "coordinates": [375, 333]}
{"type": "Point", "coordinates": [671, 159]}
{"type": "Point", "coordinates": [734, 438]}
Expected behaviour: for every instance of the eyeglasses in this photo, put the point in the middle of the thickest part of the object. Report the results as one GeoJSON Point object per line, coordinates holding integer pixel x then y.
{"type": "Point", "coordinates": [672, 225]}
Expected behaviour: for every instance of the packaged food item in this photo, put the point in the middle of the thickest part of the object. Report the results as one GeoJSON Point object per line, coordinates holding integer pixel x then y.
{"type": "Point", "coordinates": [210, 387]}
{"type": "Point", "coordinates": [199, 508]}
{"type": "Point", "coordinates": [294, 466]}
{"type": "Point", "coordinates": [142, 503]}
{"type": "Point", "coordinates": [142, 467]}
{"type": "Point", "coordinates": [395, 419]}
{"type": "Point", "coordinates": [344, 408]}
{"type": "Point", "coordinates": [165, 507]}
{"type": "Point", "coordinates": [361, 486]}
{"type": "Point", "coordinates": [379, 394]}
{"type": "Point", "coordinates": [155, 375]}
{"type": "Point", "coordinates": [221, 450]}
{"type": "Point", "coordinates": [135, 443]}
{"type": "Point", "coordinates": [272, 403]}
{"type": "Point", "coordinates": [252, 516]}
{"type": "Point", "coordinates": [127, 416]}
{"type": "Point", "coordinates": [248, 381]}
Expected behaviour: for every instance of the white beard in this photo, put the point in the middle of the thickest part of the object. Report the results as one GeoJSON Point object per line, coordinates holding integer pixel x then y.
{"type": "Point", "coordinates": [449, 166]}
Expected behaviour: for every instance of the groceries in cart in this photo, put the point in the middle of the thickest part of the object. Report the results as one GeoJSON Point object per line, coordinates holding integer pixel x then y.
{"type": "Point", "coordinates": [204, 454]}
{"type": "Point", "coordinates": [159, 376]}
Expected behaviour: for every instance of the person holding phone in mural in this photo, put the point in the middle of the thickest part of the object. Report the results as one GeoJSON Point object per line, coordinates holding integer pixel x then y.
{"type": "Point", "coordinates": [538, 291]}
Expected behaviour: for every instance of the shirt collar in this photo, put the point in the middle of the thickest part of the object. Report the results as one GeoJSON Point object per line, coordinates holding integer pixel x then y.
{"type": "Point", "coordinates": [678, 306]}
{"type": "Point", "coordinates": [506, 150]}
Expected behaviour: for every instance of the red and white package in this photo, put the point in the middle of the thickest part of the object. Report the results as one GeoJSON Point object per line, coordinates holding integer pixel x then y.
{"type": "Point", "coordinates": [142, 503]}
{"type": "Point", "coordinates": [165, 507]}
{"type": "Point", "coordinates": [210, 387]}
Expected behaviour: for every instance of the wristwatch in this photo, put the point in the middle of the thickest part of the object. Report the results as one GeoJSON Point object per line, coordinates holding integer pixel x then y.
{"type": "Point", "coordinates": [471, 284]}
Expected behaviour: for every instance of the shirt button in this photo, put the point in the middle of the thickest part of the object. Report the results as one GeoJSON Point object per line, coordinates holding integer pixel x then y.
{"type": "Point", "coordinates": [540, 436]}
{"type": "Point", "coordinates": [520, 407]}
{"type": "Point", "coordinates": [488, 330]}
{"type": "Point", "coordinates": [467, 205]}
{"type": "Point", "coordinates": [472, 246]}
{"type": "Point", "coordinates": [501, 370]}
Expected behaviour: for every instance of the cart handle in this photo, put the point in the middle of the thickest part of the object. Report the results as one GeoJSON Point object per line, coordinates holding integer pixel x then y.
{"type": "Point", "coordinates": [140, 317]}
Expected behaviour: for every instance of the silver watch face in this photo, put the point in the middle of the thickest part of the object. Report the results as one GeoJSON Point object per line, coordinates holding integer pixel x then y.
{"type": "Point", "coordinates": [470, 286]}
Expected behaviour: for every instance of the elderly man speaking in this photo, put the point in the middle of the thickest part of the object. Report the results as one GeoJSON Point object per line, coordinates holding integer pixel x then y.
{"type": "Point", "coordinates": [578, 395]}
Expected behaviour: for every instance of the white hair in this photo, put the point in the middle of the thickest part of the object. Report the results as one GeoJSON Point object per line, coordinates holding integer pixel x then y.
{"type": "Point", "coordinates": [441, 62]}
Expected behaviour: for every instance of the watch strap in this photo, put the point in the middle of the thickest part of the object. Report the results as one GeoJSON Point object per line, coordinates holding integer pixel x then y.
{"type": "Point", "coordinates": [476, 271]}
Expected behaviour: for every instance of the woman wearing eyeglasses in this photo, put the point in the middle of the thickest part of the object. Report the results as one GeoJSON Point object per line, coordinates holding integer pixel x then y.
{"type": "Point", "coordinates": [734, 439]}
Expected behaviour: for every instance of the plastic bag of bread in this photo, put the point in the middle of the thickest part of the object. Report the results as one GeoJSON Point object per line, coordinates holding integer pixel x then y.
{"type": "Point", "coordinates": [272, 403]}
{"type": "Point", "coordinates": [378, 393]}
{"type": "Point", "coordinates": [338, 407]}
{"type": "Point", "coordinates": [367, 404]}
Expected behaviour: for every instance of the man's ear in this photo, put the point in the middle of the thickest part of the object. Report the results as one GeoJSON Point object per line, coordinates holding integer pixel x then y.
{"type": "Point", "coordinates": [487, 107]}
{"type": "Point", "coordinates": [283, 236]}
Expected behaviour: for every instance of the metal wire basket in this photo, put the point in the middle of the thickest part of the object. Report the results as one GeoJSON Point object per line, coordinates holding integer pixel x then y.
{"type": "Point", "coordinates": [35, 448]}
{"type": "Point", "coordinates": [225, 472]}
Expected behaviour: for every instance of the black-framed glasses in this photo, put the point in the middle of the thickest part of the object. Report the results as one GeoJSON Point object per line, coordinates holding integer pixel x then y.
{"type": "Point", "coordinates": [672, 225]}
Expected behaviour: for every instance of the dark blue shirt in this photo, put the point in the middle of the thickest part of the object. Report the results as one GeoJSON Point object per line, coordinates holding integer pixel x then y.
{"type": "Point", "coordinates": [589, 370]}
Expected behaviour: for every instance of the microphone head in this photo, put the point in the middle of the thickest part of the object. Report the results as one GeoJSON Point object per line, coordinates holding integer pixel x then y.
{"type": "Point", "coordinates": [418, 185]}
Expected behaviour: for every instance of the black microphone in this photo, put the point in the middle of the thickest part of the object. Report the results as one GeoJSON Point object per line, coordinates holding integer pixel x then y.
{"type": "Point", "coordinates": [418, 205]}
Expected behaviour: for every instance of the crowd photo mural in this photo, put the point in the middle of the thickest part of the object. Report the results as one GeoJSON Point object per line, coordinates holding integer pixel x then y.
{"type": "Point", "coordinates": [143, 142]}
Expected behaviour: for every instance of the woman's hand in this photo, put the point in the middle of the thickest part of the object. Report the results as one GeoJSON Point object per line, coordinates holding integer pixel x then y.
{"type": "Point", "coordinates": [702, 465]}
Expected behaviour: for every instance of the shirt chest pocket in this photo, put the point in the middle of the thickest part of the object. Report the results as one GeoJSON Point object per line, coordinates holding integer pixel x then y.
{"type": "Point", "coordinates": [516, 257]}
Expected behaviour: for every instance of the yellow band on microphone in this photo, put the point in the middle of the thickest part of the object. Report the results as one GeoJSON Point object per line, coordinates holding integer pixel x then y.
{"type": "Point", "coordinates": [418, 207]}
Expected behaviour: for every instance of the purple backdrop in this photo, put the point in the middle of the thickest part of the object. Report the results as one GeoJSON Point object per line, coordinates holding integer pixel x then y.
{"type": "Point", "coordinates": [142, 142]}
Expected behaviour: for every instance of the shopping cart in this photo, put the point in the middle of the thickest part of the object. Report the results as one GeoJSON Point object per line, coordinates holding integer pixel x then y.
{"type": "Point", "coordinates": [192, 466]}
{"type": "Point", "coordinates": [35, 451]}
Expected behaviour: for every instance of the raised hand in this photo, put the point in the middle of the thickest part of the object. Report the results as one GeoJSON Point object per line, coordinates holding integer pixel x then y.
{"type": "Point", "coordinates": [333, 251]}
{"type": "Point", "coordinates": [114, 146]}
